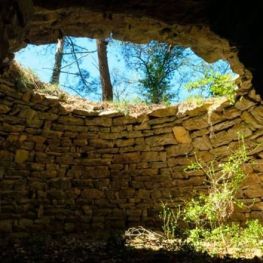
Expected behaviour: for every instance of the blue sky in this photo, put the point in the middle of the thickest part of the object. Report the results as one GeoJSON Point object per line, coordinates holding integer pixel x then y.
{"type": "Point", "coordinates": [40, 59]}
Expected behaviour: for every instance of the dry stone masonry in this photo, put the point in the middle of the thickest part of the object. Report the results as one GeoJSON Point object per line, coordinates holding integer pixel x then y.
{"type": "Point", "coordinates": [77, 170]}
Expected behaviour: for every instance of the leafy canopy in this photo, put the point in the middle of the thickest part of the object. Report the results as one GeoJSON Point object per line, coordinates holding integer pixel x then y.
{"type": "Point", "coordinates": [156, 63]}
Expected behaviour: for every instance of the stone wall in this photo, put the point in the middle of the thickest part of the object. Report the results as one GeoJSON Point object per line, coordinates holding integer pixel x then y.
{"type": "Point", "coordinates": [64, 171]}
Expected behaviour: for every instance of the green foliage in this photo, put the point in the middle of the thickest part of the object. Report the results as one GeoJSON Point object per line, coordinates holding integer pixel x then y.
{"type": "Point", "coordinates": [27, 79]}
{"type": "Point", "coordinates": [207, 215]}
{"type": "Point", "coordinates": [216, 84]}
{"type": "Point", "coordinates": [197, 100]}
{"type": "Point", "coordinates": [228, 239]}
{"type": "Point", "coordinates": [125, 106]}
{"type": "Point", "coordinates": [155, 62]}
{"type": "Point", "coordinates": [224, 181]}
{"type": "Point", "coordinates": [170, 219]}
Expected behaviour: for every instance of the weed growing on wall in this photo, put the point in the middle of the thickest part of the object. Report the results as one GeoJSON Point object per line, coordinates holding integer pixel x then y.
{"type": "Point", "coordinates": [170, 218]}
{"type": "Point", "coordinates": [207, 215]}
{"type": "Point", "coordinates": [224, 181]}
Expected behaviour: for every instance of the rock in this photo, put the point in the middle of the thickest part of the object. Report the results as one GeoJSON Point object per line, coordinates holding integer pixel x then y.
{"type": "Point", "coordinates": [180, 149]}
{"type": "Point", "coordinates": [4, 109]}
{"type": "Point", "coordinates": [111, 113]}
{"type": "Point", "coordinates": [32, 119]}
{"type": "Point", "coordinates": [153, 156]}
{"type": "Point", "coordinates": [224, 125]}
{"type": "Point", "coordinates": [99, 143]}
{"type": "Point", "coordinates": [244, 104]}
{"type": "Point", "coordinates": [158, 121]}
{"type": "Point", "coordinates": [127, 158]}
{"type": "Point", "coordinates": [253, 191]}
{"type": "Point", "coordinates": [160, 140]}
{"type": "Point", "coordinates": [196, 123]}
{"type": "Point", "coordinates": [240, 130]}
{"type": "Point", "coordinates": [21, 156]}
{"type": "Point", "coordinates": [70, 120]}
{"type": "Point", "coordinates": [24, 224]}
{"type": "Point", "coordinates": [124, 142]}
{"type": "Point", "coordinates": [87, 113]}
{"type": "Point", "coordinates": [166, 112]}
{"type": "Point", "coordinates": [101, 121]}
{"type": "Point", "coordinates": [6, 226]}
{"type": "Point", "coordinates": [91, 194]}
{"type": "Point", "coordinates": [231, 113]}
{"type": "Point", "coordinates": [253, 96]}
{"type": "Point", "coordinates": [181, 134]}
{"type": "Point", "coordinates": [250, 120]}
{"type": "Point", "coordinates": [257, 112]}
{"type": "Point", "coordinates": [202, 143]}
{"type": "Point", "coordinates": [221, 138]}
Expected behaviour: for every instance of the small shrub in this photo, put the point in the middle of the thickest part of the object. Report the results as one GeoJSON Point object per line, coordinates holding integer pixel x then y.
{"type": "Point", "coordinates": [216, 84]}
{"type": "Point", "coordinates": [207, 215]}
{"type": "Point", "coordinates": [224, 180]}
{"type": "Point", "coordinates": [228, 239]}
{"type": "Point", "coordinates": [170, 219]}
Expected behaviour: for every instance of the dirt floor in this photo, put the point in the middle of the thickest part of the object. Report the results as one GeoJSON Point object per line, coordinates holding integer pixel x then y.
{"type": "Point", "coordinates": [73, 249]}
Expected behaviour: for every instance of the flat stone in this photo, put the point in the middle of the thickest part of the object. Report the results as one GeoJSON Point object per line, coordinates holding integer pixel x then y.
{"type": "Point", "coordinates": [244, 104]}
{"type": "Point", "coordinates": [124, 142]}
{"type": "Point", "coordinates": [166, 112]}
{"type": "Point", "coordinates": [181, 134]}
{"type": "Point", "coordinates": [166, 139]}
{"type": "Point", "coordinates": [111, 113]}
{"type": "Point", "coordinates": [91, 194]}
{"type": "Point", "coordinates": [4, 109]}
{"type": "Point", "coordinates": [85, 112]}
{"type": "Point", "coordinates": [251, 120]}
{"type": "Point", "coordinates": [127, 158]}
{"type": "Point", "coordinates": [6, 226]}
{"type": "Point", "coordinates": [257, 112]}
{"type": "Point", "coordinates": [231, 113]}
{"type": "Point", "coordinates": [196, 123]}
{"type": "Point", "coordinates": [99, 121]}
{"type": "Point", "coordinates": [70, 120]}
{"type": "Point", "coordinates": [21, 156]}
{"type": "Point", "coordinates": [180, 149]}
{"type": "Point", "coordinates": [224, 125]}
{"type": "Point", "coordinates": [202, 143]}
{"type": "Point", "coordinates": [153, 156]}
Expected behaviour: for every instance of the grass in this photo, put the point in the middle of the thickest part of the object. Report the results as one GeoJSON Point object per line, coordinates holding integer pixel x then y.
{"type": "Point", "coordinates": [26, 79]}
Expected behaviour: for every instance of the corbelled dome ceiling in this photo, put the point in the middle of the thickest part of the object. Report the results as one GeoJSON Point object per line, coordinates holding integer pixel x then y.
{"type": "Point", "coordinates": [214, 29]}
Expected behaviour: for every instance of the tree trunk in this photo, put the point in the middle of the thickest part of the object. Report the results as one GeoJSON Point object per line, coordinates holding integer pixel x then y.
{"type": "Point", "coordinates": [58, 62]}
{"type": "Point", "coordinates": [105, 80]}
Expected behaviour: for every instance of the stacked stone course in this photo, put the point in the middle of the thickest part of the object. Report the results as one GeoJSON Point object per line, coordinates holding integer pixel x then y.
{"type": "Point", "coordinates": [76, 170]}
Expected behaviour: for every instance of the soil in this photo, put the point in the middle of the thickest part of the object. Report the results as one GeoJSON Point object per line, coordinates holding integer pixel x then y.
{"type": "Point", "coordinates": [76, 249]}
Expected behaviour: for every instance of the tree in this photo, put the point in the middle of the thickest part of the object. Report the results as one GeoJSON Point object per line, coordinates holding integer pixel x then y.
{"type": "Point", "coordinates": [155, 62]}
{"type": "Point", "coordinates": [58, 61]}
{"type": "Point", "coordinates": [71, 55]}
{"type": "Point", "coordinates": [213, 83]}
{"type": "Point", "coordinates": [107, 91]}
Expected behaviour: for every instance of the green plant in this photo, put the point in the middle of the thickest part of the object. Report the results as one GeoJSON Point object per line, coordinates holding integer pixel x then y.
{"type": "Point", "coordinates": [155, 64]}
{"type": "Point", "coordinates": [224, 180]}
{"type": "Point", "coordinates": [228, 239]}
{"type": "Point", "coordinates": [216, 84]}
{"type": "Point", "coordinates": [170, 219]}
{"type": "Point", "coordinates": [207, 215]}
{"type": "Point", "coordinates": [197, 100]}
{"type": "Point", "coordinates": [27, 78]}
{"type": "Point", "coordinates": [127, 106]}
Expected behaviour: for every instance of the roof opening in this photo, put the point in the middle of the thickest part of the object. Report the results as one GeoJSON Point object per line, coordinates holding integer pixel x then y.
{"type": "Point", "coordinates": [150, 73]}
